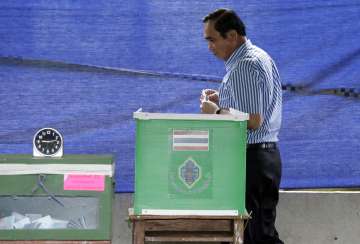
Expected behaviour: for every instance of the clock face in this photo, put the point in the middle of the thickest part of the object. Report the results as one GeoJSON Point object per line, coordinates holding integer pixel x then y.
{"type": "Point", "coordinates": [48, 141]}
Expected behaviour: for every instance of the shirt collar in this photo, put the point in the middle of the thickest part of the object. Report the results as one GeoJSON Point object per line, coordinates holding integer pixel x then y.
{"type": "Point", "coordinates": [237, 54]}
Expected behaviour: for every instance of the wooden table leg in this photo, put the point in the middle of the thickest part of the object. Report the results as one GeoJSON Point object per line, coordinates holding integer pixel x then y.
{"type": "Point", "coordinates": [238, 231]}
{"type": "Point", "coordinates": [139, 232]}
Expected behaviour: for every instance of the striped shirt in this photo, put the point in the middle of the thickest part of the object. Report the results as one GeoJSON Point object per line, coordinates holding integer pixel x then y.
{"type": "Point", "coordinates": [252, 85]}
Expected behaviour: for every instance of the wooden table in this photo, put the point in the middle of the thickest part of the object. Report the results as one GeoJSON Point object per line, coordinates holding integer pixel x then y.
{"type": "Point", "coordinates": [166, 228]}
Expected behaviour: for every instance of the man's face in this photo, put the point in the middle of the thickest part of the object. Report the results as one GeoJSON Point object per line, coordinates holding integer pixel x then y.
{"type": "Point", "coordinates": [219, 46]}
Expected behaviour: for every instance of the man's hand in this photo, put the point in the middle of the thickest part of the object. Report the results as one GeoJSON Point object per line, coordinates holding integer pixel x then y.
{"type": "Point", "coordinates": [210, 95]}
{"type": "Point", "coordinates": [255, 121]}
{"type": "Point", "coordinates": [208, 107]}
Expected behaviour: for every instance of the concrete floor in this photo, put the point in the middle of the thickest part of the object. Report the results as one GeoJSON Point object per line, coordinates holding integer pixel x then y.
{"type": "Point", "coordinates": [303, 217]}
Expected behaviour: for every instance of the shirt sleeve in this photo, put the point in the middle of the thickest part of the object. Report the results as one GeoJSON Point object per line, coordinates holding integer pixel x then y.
{"type": "Point", "coordinates": [246, 90]}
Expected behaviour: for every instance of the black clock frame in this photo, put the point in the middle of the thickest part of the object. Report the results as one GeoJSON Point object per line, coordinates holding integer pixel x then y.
{"type": "Point", "coordinates": [49, 140]}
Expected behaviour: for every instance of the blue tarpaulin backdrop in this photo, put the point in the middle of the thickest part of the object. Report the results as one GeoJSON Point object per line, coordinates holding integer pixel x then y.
{"type": "Point", "coordinates": [77, 66]}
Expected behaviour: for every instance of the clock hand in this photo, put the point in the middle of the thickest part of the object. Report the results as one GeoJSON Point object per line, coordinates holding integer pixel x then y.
{"type": "Point", "coordinates": [48, 141]}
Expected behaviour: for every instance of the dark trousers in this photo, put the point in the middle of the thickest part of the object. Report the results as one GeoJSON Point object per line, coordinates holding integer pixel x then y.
{"type": "Point", "coordinates": [263, 175]}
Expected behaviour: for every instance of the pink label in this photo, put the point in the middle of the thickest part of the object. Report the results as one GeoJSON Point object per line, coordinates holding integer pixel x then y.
{"type": "Point", "coordinates": [84, 182]}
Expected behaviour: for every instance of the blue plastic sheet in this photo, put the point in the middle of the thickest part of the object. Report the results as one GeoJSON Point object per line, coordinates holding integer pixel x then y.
{"type": "Point", "coordinates": [63, 65]}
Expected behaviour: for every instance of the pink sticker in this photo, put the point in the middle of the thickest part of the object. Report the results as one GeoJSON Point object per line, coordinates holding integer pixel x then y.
{"type": "Point", "coordinates": [84, 182]}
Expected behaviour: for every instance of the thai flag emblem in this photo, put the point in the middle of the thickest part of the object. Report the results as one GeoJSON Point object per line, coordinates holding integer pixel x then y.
{"type": "Point", "coordinates": [190, 140]}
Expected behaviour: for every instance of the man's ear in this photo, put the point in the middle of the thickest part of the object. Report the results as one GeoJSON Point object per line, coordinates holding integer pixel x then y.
{"type": "Point", "coordinates": [232, 35]}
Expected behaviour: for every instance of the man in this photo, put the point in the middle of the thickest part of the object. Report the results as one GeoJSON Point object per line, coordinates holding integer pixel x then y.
{"type": "Point", "coordinates": [252, 85]}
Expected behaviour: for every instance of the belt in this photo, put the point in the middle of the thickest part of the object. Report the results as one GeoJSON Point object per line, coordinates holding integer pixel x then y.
{"type": "Point", "coordinates": [262, 145]}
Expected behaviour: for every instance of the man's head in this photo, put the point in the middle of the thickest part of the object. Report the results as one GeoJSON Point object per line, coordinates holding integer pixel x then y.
{"type": "Point", "coordinates": [224, 32]}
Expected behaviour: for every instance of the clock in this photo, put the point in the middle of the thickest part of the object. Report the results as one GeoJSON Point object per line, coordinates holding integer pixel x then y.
{"type": "Point", "coordinates": [48, 142]}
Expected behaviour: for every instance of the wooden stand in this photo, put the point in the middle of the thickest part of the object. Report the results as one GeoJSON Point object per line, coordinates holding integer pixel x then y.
{"type": "Point", "coordinates": [151, 228]}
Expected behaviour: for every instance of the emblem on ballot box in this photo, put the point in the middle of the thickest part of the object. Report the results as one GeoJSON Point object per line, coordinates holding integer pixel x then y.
{"type": "Point", "coordinates": [190, 178]}
{"type": "Point", "coordinates": [190, 172]}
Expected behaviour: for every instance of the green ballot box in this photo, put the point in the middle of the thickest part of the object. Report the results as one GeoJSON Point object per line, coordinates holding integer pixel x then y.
{"type": "Point", "coordinates": [67, 198]}
{"type": "Point", "coordinates": [190, 164]}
